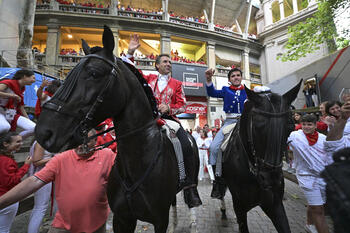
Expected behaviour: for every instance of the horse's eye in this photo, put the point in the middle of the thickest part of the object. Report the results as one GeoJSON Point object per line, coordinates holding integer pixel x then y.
{"type": "Point", "coordinates": [94, 74]}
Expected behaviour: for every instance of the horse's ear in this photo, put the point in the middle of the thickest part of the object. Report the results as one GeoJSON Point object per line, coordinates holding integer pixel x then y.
{"type": "Point", "coordinates": [292, 93]}
{"type": "Point", "coordinates": [108, 39]}
{"type": "Point", "coordinates": [252, 96]}
{"type": "Point", "coordinates": [86, 47]}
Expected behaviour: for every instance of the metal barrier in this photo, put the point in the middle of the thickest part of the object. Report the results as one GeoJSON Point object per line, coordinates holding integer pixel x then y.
{"type": "Point", "coordinates": [69, 60]}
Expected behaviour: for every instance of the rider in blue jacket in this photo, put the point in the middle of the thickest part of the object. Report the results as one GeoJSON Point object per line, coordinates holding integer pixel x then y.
{"type": "Point", "coordinates": [234, 97]}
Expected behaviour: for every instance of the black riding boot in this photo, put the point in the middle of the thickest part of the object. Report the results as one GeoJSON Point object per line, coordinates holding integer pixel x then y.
{"type": "Point", "coordinates": [191, 195]}
{"type": "Point", "coordinates": [219, 187]}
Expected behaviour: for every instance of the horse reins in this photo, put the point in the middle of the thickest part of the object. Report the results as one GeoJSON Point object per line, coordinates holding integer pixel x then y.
{"type": "Point", "coordinates": [261, 161]}
{"type": "Point", "coordinates": [63, 95]}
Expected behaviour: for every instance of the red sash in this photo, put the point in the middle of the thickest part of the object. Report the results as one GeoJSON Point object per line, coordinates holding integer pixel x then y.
{"type": "Point", "coordinates": [38, 104]}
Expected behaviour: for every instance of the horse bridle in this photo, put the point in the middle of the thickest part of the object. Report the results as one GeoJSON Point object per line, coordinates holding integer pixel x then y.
{"type": "Point", "coordinates": [257, 160]}
{"type": "Point", "coordinates": [83, 127]}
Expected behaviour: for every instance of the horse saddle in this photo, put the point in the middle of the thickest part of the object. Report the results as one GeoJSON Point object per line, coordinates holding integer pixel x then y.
{"type": "Point", "coordinates": [171, 128]}
{"type": "Point", "coordinates": [227, 131]}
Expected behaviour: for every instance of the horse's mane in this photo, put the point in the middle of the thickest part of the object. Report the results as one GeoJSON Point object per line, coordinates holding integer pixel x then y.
{"type": "Point", "coordinates": [147, 89]}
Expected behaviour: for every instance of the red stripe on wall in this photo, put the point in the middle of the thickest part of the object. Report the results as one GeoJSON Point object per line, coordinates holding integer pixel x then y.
{"type": "Point", "coordinates": [333, 64]}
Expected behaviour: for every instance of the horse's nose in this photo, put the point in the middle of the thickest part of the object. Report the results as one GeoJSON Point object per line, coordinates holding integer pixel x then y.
{"type": "Point", "coordinates": [44, 137]}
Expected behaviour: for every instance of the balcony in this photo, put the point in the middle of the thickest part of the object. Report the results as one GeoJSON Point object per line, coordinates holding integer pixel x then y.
{"type": "Point", "coordinates": [140, 15]}
{"type": "Point", "coordinates": [188, 23]}
{"type": "Point", "coordinates": [83, 9]}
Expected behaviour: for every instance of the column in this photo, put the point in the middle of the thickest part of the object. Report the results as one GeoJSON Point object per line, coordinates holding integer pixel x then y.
{"type": "Point", "coordinates": [211, 24]}
{"type": "Point", "coordinates": [113, 8]}
{"type": "Point", "coordinates": [52, 44]}
{"type": "Point", "coordinates": [267, 13]}
{"type": "Point", "coordinates": [245, 64]}
{"type": "Point", "coordinates": [165, 43]}
{"type": "Point", "coordinates": [115, 31]}
{"type": "Point", "coordinates": [165, 4]}
{"type": "Point", "coordinates": [247, 20]}
{"type": "Point", "coordinates": [281, 9]}
{"type": "Point", "coordinates": [295, 6]}
{"type": "Point", "coordinates": [211, 61]}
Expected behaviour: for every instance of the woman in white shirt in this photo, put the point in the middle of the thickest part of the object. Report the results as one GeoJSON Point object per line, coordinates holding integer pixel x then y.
{"type": "Point", "coordinates": [203, 143]}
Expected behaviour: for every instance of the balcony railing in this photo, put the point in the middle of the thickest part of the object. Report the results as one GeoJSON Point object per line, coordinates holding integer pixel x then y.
{"type": "Point", "coordinates": [69, 60]}
{"type": "Point", "coordinates": [43, 6]}
{"type": "Point", "coordinates": [255, 78]}
{"type": "Point", "coordinates": [222, 71]}
{"type": "Point", "coordinates": [227, 32]}
{"type": "Point", "coordinates": [143, 62]}
{"type": "Point", "coordinates": [140, 15]}
{"type": "Point", "coordinates": [189, 23]}
{"type": "Point", "coordinates": [83, 9]}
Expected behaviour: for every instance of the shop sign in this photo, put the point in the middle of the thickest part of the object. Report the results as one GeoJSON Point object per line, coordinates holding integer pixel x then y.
{"type": "Point", "coordinates": [197, 108]}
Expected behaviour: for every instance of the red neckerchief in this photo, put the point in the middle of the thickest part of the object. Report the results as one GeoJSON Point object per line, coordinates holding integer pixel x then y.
{"type": "Point", "coordinates": [234, 88]}
{"type": "Point", "coordinates": [203, 137]}
{"type": "Point", "coordinates": [15, 87]}
{"type": "Point", "coordinates": [312, 138]}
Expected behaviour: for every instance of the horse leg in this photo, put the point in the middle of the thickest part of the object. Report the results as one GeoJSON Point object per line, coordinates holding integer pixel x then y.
{"type": "Point", "coordinates": [223, 213]}
{"type": "Point", "coordinates": [278, 216]}
{"type": "Point", "coordinates": [241, 215]}
{"type": "Point", "coordinates": [123, 225]}
{"type": "Point", "coordinates": [173, 217]}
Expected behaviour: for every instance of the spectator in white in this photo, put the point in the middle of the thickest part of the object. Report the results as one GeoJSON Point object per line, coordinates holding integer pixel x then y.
{"type": "Point", "coordinates": [196, 133]}
{"type": "Point", "coordinates": [41, 197]}
{"type": "Point", "coordinates": [310, 160]}
{"type": "Point", "coordinates": [203, 143]}
{"type": "Point", "coordinates": [12, 112]}
{"type": "Point", "coordinates": [206, 129]}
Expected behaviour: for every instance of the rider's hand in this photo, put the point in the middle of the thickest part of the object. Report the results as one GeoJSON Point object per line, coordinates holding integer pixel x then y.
{"type": "Point", "coordinates": [134, 44]}
{"type": "Point", "coordinates": [16, 97]}
{"type": "Point", "coordinates": [163, 108]}
{"type": "Point", "coordinates": [345, 109]}
{"type": "Point", "coordinates": [28, 160]}
{"type": "Point", "coordinates": [209, 74]}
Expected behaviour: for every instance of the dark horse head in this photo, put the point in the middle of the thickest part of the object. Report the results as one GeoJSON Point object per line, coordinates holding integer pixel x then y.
{"type": "Point", "coordinates": [266, 124]}
{"type": "Point", "coordinates": [94, 90]}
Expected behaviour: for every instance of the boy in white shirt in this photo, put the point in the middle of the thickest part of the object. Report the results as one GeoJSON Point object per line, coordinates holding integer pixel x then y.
{"type": "Point", "coordinates": [310, 159]}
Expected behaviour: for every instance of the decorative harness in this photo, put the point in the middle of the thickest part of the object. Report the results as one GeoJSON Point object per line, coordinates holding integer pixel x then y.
{"type": "Point", "coordinates": [256, 163]}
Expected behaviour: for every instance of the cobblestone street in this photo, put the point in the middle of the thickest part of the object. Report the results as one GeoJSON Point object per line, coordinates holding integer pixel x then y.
{"type": "Point", "coordinates": [209, 215]}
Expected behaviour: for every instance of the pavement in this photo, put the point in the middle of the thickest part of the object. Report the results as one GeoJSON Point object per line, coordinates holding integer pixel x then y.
{"type": "Point", "coordinates": [209, 215]}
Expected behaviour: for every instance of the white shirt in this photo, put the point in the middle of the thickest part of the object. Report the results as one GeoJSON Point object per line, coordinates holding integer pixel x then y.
{"type": "Point", "coordinates": [203, 144]}
{"type": "Point", "coordinates": [333, 146]}
{"type": "Point", "coordinates": [162, 82]}
{"type": "Point", "coordinates": [309, 160]}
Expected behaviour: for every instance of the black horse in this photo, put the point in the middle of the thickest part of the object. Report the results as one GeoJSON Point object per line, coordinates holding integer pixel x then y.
{"type": "Point", "coordinates": [252, 161]}
{"type": "Point", "coordinates": [144, 180]}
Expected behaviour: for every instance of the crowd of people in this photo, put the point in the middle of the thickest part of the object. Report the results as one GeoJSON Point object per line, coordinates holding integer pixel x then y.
{"type": "Point", "coordinates": [82, 203]}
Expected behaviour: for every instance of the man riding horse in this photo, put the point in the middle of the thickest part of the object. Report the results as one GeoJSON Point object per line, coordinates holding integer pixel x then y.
{"type": "Point", "coordinates": [234, 97]}
{"type": "Point", "coordinates": [171, 101]}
